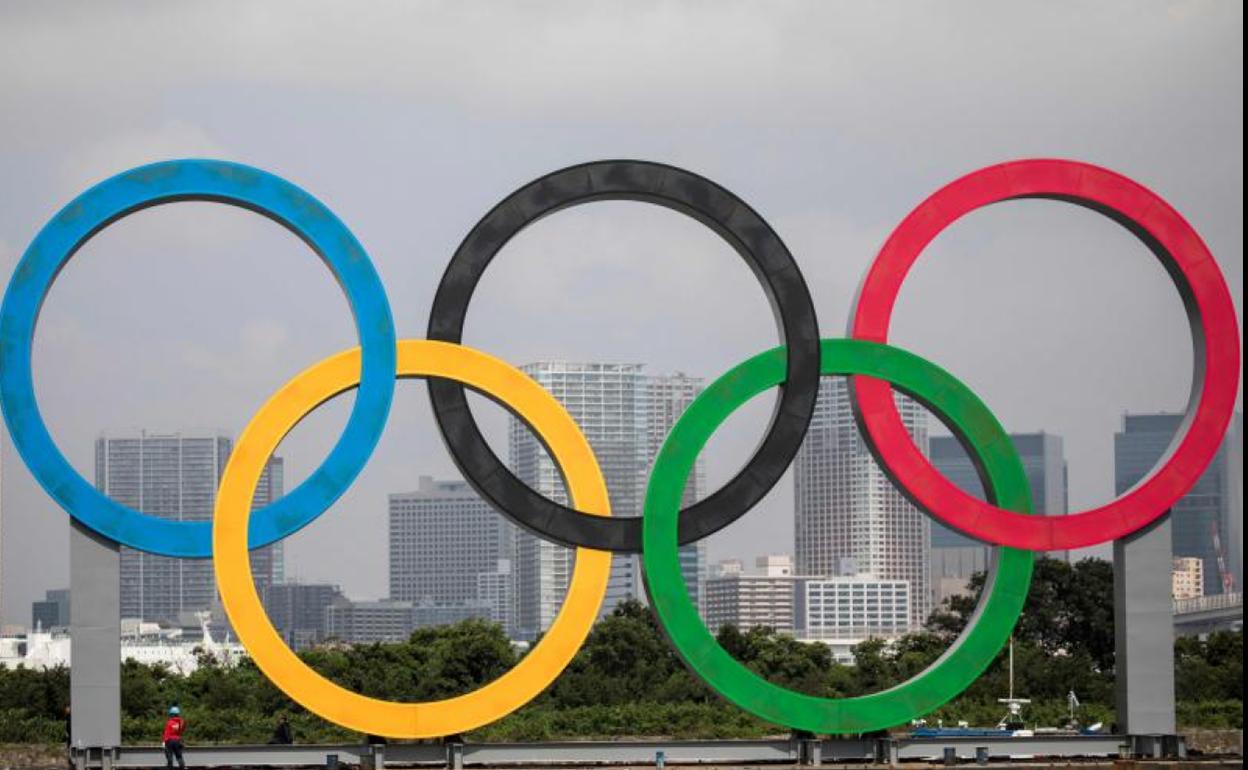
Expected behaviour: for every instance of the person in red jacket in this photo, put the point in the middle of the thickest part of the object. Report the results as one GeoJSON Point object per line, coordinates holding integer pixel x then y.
{"type": "Point", "coordinates": [175, 726]}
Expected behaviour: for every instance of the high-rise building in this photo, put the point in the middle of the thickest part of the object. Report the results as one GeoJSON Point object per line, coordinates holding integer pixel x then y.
{"type": "Point", "coordinates": [175, 476]}
{"type": "Point", "coordinates": [1206, 523]}
{"type": "Point", "coordinates": [52, 612]}
{"type": "Point", "coordinates": [1044, 462]}
{"type": "Point", "coordinates": [297, 610]}
{"type": "Point", "coordinates": [669, 396]}
{"type": "Point", "coordinates": [847, 508]}
{"type": "Point", "coordinates": [625, 414]}
{"type": "Point", "coordinates": [450, 547]}
{"type": "Point", "coordinates": [955, 557]}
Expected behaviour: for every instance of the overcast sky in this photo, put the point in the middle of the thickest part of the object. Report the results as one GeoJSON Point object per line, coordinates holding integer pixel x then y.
{"type": "Point", "coordinates": [410, 120]}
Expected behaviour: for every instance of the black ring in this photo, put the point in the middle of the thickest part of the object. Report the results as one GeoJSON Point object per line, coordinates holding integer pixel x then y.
{"type": "Point", "coordinates": [745, 231]}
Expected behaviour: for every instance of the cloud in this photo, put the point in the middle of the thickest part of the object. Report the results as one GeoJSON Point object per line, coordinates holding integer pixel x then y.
{"type": "Point", "coordinates": [116, 152]}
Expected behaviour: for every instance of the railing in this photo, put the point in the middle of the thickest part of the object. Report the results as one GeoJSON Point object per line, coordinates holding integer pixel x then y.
{"type": "Point", "coordinates": [1209, 603]}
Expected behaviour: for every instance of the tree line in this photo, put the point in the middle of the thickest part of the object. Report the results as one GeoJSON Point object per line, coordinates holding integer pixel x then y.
{"type": "Point", "coordinates": [628, 681]}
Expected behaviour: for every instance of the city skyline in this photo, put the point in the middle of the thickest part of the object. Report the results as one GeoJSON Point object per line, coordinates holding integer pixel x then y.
{"type": "Point", "coordinates": [947, 455]}
{"type": "Point", "coordinates": [949, 458]}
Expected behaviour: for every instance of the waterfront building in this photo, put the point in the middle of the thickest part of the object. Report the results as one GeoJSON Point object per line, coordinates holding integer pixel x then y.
{"type": "Point", "coordinates": [847, 508]}
{"type": "Point", "coordinates": [746, 601]}
{"type": "Point", "coordinates": [1206, 523]}
{"type": "Point", "coordinates": [852, 608]}
{"type": "Point", "coordinates": [175, 476]}
{"type": "Point", "coordinates": [365, 622]}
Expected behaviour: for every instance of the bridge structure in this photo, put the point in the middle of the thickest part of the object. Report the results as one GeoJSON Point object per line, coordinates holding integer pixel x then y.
{"type": "Point", "coordinates": [1205, 614]}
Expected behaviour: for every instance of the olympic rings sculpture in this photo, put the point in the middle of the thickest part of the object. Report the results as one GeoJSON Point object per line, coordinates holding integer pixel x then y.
{"type": "Point", "coordinates": [875, 367]}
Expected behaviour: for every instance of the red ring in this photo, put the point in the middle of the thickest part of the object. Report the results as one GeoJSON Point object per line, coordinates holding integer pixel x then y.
{"type": "Point", "coordinates": [1210, 311]}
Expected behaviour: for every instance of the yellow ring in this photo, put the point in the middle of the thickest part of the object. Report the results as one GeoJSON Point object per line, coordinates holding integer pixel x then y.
{"type": "Point", "coordinates": [416, 358]}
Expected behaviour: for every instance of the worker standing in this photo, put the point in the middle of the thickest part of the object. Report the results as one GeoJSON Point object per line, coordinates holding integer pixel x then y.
{"type": "Point", "coordinates": [175, 727]}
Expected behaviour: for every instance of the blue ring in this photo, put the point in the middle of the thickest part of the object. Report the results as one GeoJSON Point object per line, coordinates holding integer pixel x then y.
{"type": "Point", "coordinates": [222, 182]}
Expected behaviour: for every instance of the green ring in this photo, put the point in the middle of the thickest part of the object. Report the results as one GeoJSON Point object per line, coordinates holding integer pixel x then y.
{"type": "Point", "coordinates": [990, 627]}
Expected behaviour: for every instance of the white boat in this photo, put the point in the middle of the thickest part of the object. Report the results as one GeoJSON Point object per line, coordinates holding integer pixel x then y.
{"type": "Point", "coordinates": [142, 642]}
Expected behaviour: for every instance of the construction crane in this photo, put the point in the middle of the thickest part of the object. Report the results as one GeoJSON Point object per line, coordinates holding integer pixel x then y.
{"type": "Point", "coordinates": [1225, 575]}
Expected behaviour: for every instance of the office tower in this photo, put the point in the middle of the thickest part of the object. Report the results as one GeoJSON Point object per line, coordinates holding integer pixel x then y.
{"type": "Point", "coordinates": [297, 611]}
{"type": "Point", "coordinates": [449, 547]}
{"type": "Point", "coordinates": [1207, 522]}
{"type": "Point", "coordinates": [669, 396]}
{"type": "Point", "coordinates": [175, 476]}
{"type": "Point", "coordinates": [846, 507]}
{"type": "Point", "coordinates": [365, 622]}
{"type": "Point", "coordinates": [955, 557]}
{"type": "Point", "coordinates": [52, 612]}
{"type": "Point", "coordinates": [625, 415]}
{"type": "Point", "coordinates": [746, 601]}
{"type": "Point", "coordinates": [1044, 462]}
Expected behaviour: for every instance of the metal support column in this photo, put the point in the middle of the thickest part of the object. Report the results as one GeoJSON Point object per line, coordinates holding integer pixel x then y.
{"type": "Point", "coordinates": [1144, 633]}
{"type": "Point", "coordinates": [886, 751]}
{"type": "Point", "coordinates": [814, 752]}
{"type": "Point", "coordinates": [95, 639]}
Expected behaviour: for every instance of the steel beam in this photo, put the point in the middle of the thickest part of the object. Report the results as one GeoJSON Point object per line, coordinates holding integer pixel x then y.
{"type": "Point", "coordinates": [297, 755]}
{"type": "Point", "coordinates": [626, 752]}
{"type": "Point", "coordinates": [1005, 747]}
{"type": "Point", "coordinates": [629, 752]}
